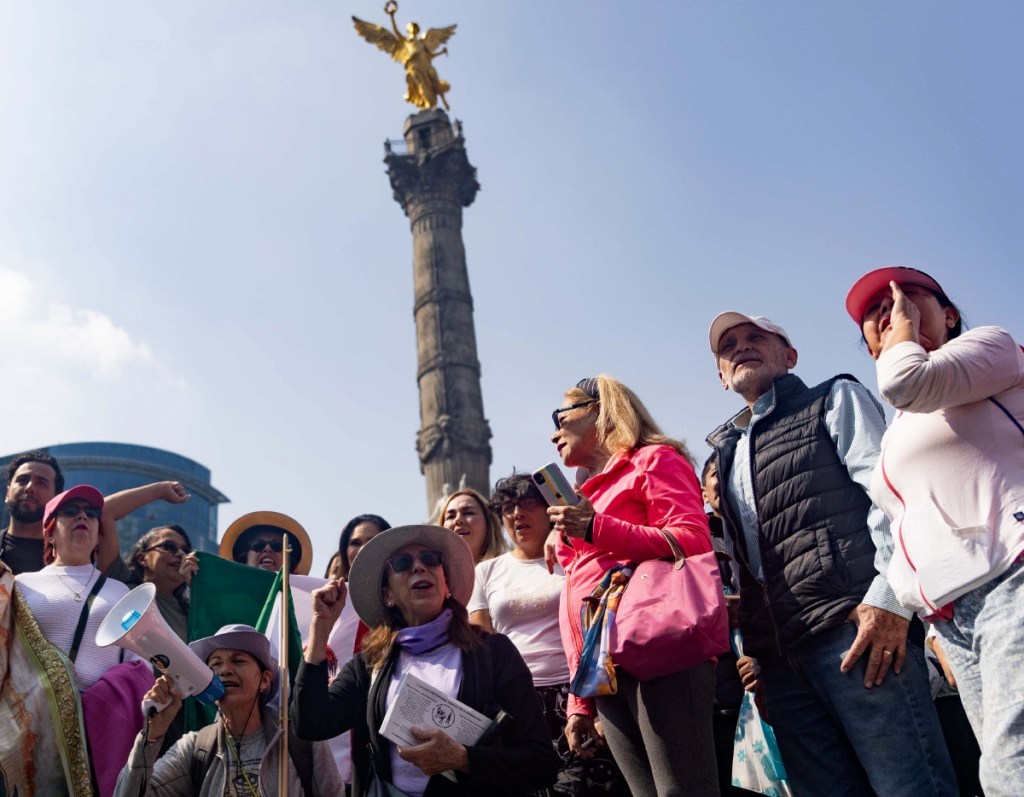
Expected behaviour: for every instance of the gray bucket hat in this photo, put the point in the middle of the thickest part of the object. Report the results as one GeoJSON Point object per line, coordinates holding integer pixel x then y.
{"type": "Point", "coordinates": [367, 574]}
{"type": "Point", "coordinates": [245, 638]}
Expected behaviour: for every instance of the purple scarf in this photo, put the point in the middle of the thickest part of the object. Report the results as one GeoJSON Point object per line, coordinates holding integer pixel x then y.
{"type": "Point", "coordinates": [424, 638]}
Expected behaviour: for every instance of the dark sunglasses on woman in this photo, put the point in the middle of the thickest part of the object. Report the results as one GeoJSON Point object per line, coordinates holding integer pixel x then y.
{"type": "Point", "coordinates": [169, 547]}
{"type": "Point", "coordinates": [259, 546]}
{"type": "Point", "coordinates": [72, 510]}
{"type": "Point", "coordinates": [404, 561]}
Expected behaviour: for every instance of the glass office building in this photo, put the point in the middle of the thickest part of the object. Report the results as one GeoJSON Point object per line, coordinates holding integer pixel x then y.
{"type": "Point", "coordinates": [112, 467]}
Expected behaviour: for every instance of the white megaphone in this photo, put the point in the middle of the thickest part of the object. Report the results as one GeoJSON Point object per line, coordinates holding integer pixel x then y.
{"type": "Point", "coordinates": [135, 623]}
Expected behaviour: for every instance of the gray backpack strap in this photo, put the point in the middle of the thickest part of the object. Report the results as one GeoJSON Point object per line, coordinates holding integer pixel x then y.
{"type": "Point", "coordinates": [207, 744]}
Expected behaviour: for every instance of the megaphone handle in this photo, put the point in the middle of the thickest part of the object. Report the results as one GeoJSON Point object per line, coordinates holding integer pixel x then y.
{"type": "Point", "coordinates": [151, 708]}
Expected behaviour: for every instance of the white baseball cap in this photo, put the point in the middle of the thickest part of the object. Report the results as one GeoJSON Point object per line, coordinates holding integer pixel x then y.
{"type": "Point", "coordinates": [730, 318]}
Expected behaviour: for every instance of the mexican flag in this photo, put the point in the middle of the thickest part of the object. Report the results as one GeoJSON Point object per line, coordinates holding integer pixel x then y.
{"type": "Point", "coordinates": [225, 592]}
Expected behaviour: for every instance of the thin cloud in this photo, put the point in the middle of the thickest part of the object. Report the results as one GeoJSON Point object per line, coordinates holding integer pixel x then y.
{"type": "Point", "coordinates": [69, 369]}
{"type": "Point", "coordinates": [62, 336]}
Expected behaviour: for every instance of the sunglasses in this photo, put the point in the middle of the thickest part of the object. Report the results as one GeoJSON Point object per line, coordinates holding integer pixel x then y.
{"type": "Point", "coordinates": [404, 561]}
{"type": "Point", "coordinates": [556, 416]}
{"type": "Point", "coordinates": [259, 546]}
{"type": "Point", "coordinates": [168, 547]}
{"type": "Point", "coordinates": [72, 510]}
{"type": "Point", "coordinates": [526, 504]}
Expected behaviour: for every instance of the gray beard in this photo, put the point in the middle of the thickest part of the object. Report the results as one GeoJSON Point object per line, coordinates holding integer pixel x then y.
{"type": "Point", "coordinates": [752, 385]}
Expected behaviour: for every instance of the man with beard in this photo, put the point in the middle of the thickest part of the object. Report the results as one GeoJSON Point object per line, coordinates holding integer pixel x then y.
{"type": "Point", "coordinates": [812, 551]}
{"type": "Point", "coordinates": [33, 479]}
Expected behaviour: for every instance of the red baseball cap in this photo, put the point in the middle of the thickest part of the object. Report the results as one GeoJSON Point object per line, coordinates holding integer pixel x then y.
{"type": "Point", "coordinates": [86, 492]}
{"type": "Point", "coordinates": [872, 282]}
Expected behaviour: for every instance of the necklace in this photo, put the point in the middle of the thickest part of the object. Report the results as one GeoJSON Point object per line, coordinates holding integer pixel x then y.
{"type": "Point", "coordinates": [241, 776]}
{"type": "Point", "coordinates": [81, 589]}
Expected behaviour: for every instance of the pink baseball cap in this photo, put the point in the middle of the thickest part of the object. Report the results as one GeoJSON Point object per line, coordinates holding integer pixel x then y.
{"type": "Point", "coordinates": [86, 492]}
{"type": "Point", "coordinates": [872, 282]}
{"type": "Point", "coordinates": [725, 321]}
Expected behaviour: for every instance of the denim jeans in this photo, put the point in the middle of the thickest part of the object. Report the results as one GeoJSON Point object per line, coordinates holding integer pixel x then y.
{"type": "Point", "coordinates": [984, 643]}
{"type": "Point", "coordinates": [838, 738]}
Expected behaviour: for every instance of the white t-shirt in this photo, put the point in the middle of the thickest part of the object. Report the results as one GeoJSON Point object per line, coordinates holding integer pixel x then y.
{"type": "Point", "coordinates": [522, 598]}
{"type": "Point", "coordinates": [49, 593]}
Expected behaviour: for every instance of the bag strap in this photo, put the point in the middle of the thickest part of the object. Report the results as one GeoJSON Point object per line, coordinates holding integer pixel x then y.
{"type": "Point", "coordinates": [202, 755]}
{"type": "Point", "coordinates": [1008, 414]}
{"type": "Point", "coordinates": [84, 618]}
{"type": "Point", "coordinates": [677, 551]}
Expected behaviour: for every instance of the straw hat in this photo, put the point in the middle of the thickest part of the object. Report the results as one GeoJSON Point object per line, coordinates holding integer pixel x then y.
{"type": "Point", "coordinates": [236, 537]}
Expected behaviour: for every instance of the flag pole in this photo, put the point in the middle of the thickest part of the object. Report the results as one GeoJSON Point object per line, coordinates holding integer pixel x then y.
{"type": "Point", "coordinates": [282, 767]}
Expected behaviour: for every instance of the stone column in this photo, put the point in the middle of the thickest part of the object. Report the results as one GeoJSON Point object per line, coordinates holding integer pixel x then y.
{"type": "Point", "coordinates": [432, 181]}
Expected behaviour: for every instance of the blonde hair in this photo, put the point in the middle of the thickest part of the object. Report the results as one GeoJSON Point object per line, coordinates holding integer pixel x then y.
{"type": "Point", "coordinates": [495, 543]}
{"type": "Point", "coordinates": [623, 422]}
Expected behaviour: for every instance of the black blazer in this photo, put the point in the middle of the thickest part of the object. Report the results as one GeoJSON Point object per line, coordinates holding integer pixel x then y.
{"type": "Point", "coordinates": [494, 677]}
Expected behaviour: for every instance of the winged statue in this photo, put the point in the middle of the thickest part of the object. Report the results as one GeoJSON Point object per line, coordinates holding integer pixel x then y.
{"type": "Point", "coordinates": [413, 51]}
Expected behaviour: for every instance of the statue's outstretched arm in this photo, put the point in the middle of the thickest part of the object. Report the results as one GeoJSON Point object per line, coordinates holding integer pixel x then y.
{"type": "Point", "coordinates": [391, 8]}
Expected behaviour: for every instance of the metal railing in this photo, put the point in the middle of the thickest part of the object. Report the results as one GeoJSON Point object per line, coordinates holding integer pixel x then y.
{"type": "Point", "coordinates": [440, 137]}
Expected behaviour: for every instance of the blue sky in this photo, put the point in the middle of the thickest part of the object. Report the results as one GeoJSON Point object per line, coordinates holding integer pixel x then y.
{"type": "Point", "coordinates": [199, 249]}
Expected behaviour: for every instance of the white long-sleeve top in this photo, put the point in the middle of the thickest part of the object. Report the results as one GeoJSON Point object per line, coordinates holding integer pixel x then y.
{"type": "Point", "coordinates": [50, 595]}
{"type": "Point", "coordinates": [951, 474]}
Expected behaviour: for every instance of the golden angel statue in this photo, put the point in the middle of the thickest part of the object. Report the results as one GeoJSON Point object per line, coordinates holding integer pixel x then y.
{"type": "Point", "coordinates": [414, 52]}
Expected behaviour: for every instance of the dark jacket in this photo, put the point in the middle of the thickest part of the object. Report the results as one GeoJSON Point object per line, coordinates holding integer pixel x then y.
{"type": "Point", "coordinates": [494, 677]}
{"type": "Point", "coordinates": [816, 548]}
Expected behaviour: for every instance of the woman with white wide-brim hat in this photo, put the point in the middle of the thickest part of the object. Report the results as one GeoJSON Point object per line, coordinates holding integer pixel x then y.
{"type": "Point", "coordinates": [410, 585]}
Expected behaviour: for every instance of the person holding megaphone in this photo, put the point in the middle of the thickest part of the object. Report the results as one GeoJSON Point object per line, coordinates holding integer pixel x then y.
{"type": "Point", "coordinates": [238, 754]}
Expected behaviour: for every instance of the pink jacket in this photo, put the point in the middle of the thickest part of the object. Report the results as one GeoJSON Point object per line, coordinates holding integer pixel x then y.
{"type": "Point", "coordinates": [951, 474]}
{"type": "Point", "coordinates": [638, 493]}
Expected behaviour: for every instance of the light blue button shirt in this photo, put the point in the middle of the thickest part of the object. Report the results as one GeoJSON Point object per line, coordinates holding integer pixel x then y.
{"type": "Point", "coordinates": [856, 423]}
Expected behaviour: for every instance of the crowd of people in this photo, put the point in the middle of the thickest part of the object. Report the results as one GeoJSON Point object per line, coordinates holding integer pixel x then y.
{"type": "Point", "coordinates": [864, 567]}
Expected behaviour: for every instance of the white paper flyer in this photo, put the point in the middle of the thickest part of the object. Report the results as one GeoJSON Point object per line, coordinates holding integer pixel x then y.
{"type": "Point", "coordinates": [419, 704]}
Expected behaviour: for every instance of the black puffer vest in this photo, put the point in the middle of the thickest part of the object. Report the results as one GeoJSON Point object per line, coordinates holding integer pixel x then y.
{"type": "Point", "coordinates": [816, 550]}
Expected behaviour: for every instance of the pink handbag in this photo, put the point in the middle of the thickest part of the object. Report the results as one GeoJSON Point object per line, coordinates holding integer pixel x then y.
{"type": "Point", "coordinates": [672, 615]}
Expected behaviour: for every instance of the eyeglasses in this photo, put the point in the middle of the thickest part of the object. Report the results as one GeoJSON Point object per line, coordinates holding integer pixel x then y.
{"type": "Point", "coordinates": [526, 504]}
{"type": "Point", "coordinates": [72, 510]}
{"type": "Point", "coordinates": [404, 561]}
{"type": "Point", "coordinates": [259, 546]}
{"type": "Point", "coordinates": [168, 547]}
{"type": "Point", "coordinates": [556, 416]}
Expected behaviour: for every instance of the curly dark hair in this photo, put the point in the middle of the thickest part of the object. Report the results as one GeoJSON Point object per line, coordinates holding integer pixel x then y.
{"type": "Point", "coordinates": [43, 458]}
{"type": "Point", "coordinates": [512, 488]}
